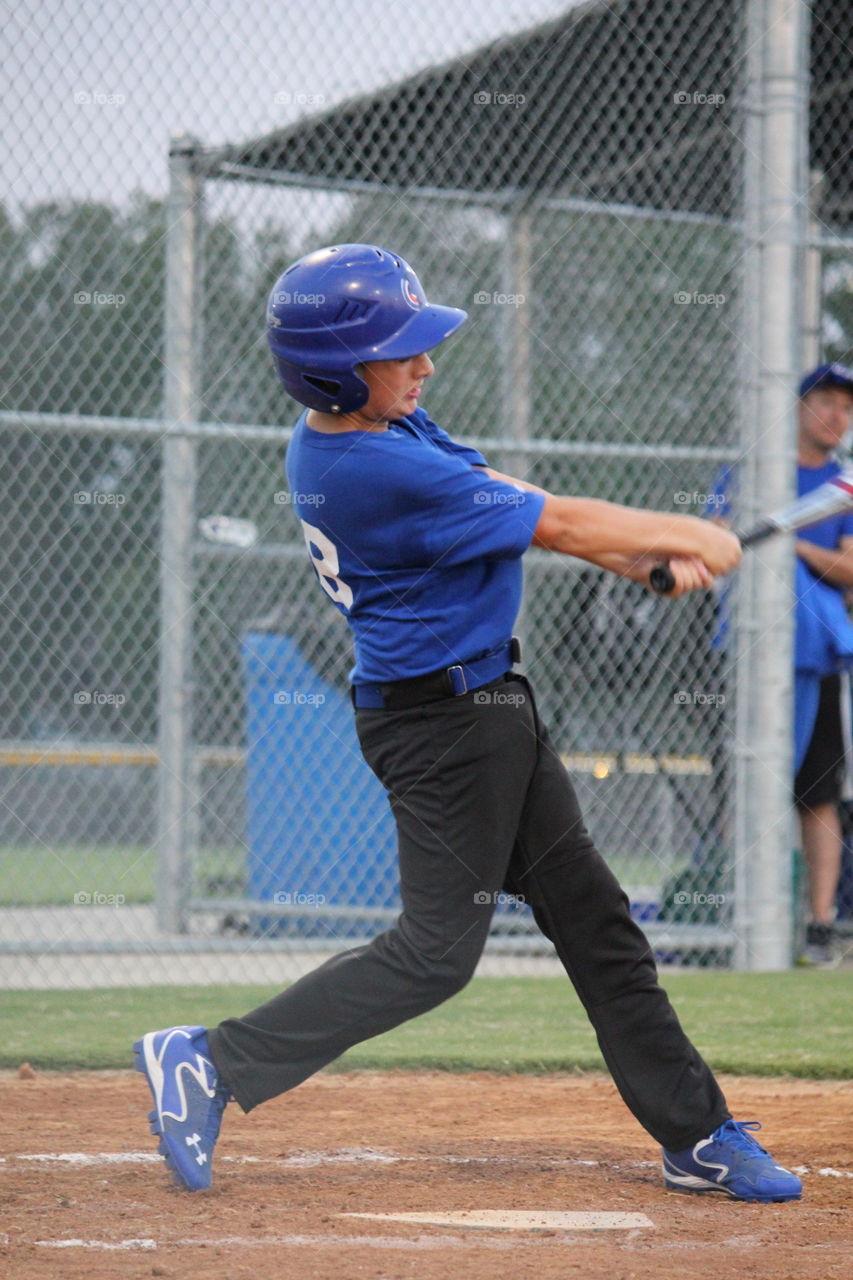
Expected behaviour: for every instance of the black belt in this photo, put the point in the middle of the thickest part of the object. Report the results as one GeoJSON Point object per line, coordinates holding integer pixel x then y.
{"type": "Point", "coordinates": [449, 682]}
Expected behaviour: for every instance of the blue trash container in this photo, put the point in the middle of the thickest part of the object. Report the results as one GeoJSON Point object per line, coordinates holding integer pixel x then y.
{"type": "Point", "coordinates": [320, 829]}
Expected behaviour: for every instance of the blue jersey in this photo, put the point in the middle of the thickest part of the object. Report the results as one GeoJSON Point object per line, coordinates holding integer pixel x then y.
{"type": "Point", "coordinates": [826, 533]}
{"type": "Point", "coordinates": [420, 551]}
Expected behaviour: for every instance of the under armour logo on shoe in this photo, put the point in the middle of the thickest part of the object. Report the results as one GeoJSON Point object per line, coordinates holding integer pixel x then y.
{"type": "Point", "coordinates": [195, 1141]}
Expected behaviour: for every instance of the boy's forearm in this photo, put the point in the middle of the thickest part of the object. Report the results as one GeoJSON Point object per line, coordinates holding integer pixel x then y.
{"type": "Point", "coordinates": [637, 568]}
{"type": "Point", "coordinates": [623, 539]}
{"type": "Point", "coordinates": [590, 528]}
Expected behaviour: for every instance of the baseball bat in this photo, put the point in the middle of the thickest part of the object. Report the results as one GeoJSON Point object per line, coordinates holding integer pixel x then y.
{"type": "Point", "coordinates": [827, 500]}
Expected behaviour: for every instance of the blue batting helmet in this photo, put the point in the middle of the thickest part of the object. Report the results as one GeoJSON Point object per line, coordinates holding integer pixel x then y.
{"type": "Point", "coordinates": [340, 307]}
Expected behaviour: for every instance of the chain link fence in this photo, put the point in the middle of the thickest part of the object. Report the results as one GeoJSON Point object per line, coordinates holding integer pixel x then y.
{"type": "Point", "coordinates": [172, 709]}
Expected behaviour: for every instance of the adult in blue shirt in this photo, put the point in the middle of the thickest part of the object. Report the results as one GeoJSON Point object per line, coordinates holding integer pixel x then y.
{"type": "Point", "coordinates": [418, 542]}
{"type": "Point", "coordinates": [823, 648]}
{"type": "Point", "coordinates": [825, 413]}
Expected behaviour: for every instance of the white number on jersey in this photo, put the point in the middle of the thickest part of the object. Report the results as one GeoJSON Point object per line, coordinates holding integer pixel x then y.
{"type": "Point", "coordinates": [324, 556]}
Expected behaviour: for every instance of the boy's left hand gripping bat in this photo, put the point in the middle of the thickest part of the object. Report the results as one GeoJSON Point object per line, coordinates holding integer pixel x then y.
{"type": "Point", "coordinates": [827, 500]}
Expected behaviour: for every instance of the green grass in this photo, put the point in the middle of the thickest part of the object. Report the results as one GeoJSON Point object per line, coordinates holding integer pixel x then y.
{"type": "Point", "coordinates": [765, 1024]}
{"type": "Point", "coordinates": [38, 876]}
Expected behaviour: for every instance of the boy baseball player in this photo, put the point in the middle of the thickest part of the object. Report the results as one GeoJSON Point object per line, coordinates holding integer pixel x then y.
{"type": "Point", "coordinates": [419, 543]}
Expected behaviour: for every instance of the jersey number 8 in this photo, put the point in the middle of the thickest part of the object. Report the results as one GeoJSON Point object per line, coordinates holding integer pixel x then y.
{"type": "Point", "coordinates": [324, 557]}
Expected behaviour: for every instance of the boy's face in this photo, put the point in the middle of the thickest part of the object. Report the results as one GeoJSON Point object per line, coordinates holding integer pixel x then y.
{"type": "Point", "coordinates": [825, 417]}
{"type": "Point", "coordinates": [394, 386]}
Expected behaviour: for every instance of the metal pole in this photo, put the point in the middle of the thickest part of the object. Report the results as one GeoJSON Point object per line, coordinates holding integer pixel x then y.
{"type": "Point", "coordinates": [516, 371]}
{"type": "Point", "coordinates": [182, 343]}
{"type": "Point", "coordinates": [811, 337]}
{"type": "Point", "coordinates": [518, 323]}
{"type": "Point", "coordinates": [774, 231]}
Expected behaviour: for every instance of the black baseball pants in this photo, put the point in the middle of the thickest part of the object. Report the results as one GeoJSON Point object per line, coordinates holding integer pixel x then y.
{"type": "Point", "coordinates": [483, 805]}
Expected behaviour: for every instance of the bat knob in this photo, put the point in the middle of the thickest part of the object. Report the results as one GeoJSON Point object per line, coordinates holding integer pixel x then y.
{"type": "Point", "coordinates": [661, 580]}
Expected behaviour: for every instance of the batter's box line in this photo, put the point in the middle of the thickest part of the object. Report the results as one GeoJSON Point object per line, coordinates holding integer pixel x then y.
{"type": "Point", "coordinates": [419, 1243]}
{"type": "Point", "coordinates": [530, 1220]}
{"type": "Point", "coordinates": [315, 1159]}
{"type": "Point", "coordinates": [365, 1155]}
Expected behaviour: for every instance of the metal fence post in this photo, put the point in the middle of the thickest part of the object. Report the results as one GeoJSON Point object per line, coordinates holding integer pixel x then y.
{"type": "Point", "coordinates": [774, 201]}
{"type": "Point", "coordinates": [519, 249]}
{"type": "Point", "coordinates": [517, 340]}
{"type": "Point", "coordinates": [181, 361]}
{"type": "Point", "coordinates": [812, 319]}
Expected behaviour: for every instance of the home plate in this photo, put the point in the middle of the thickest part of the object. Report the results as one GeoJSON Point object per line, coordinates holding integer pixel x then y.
{"type": "Point", "coordinates": [518, 1220]}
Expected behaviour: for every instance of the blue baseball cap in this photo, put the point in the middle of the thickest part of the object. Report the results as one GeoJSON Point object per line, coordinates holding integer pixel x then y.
{"type": "Point", "coordinates": [827, 375]}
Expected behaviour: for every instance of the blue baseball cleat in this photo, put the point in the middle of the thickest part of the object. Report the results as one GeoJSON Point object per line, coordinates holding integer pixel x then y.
{"type": "Point", "coordinates": [733, 1162]}
{"type": "Point", "coordinates": [189, 1099]}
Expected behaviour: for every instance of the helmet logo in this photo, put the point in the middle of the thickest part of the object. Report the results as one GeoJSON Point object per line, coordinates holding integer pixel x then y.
{"type": "Point", "coordinates": [410, 294]}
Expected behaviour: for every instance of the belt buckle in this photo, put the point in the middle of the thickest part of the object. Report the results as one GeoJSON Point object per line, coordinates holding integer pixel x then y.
{"type": "Point", "coordinates": [455, 679]}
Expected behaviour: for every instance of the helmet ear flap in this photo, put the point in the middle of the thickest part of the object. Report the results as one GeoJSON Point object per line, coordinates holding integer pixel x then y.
{"type": "Point", "coordinates": [321, 390]}
{"type": "Point", "coordinates": [327, 386]}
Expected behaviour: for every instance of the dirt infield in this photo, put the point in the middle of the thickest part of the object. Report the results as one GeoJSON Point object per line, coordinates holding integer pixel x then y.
{"type": "Point", "coordinates": [84, 1195]}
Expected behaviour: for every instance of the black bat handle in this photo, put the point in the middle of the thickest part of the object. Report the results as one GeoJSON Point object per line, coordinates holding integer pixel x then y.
{"type": "Point", "coordinates": [661, 580]}
{"type": "Point", "coordinates": [758, 532]}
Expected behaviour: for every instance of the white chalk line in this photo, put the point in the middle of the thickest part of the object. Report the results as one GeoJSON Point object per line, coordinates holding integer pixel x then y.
{"type": "Point", "coordinates": [97, 1244]}
{"type": "Point", "coordinates": [314, 1159]}
{"type": "Point", "coordinates": [362, 1155]}
{"type": "Point", "coordinates": [82, 1160]}
{"type": "Point", "coordinates": [147, 1245]}
{"type": "Point", "coordinates": [421, 1243]}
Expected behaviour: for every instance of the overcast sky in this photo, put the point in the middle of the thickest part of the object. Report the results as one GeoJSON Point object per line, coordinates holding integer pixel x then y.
{"type": "Point", "coordinates": [94, 88]}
